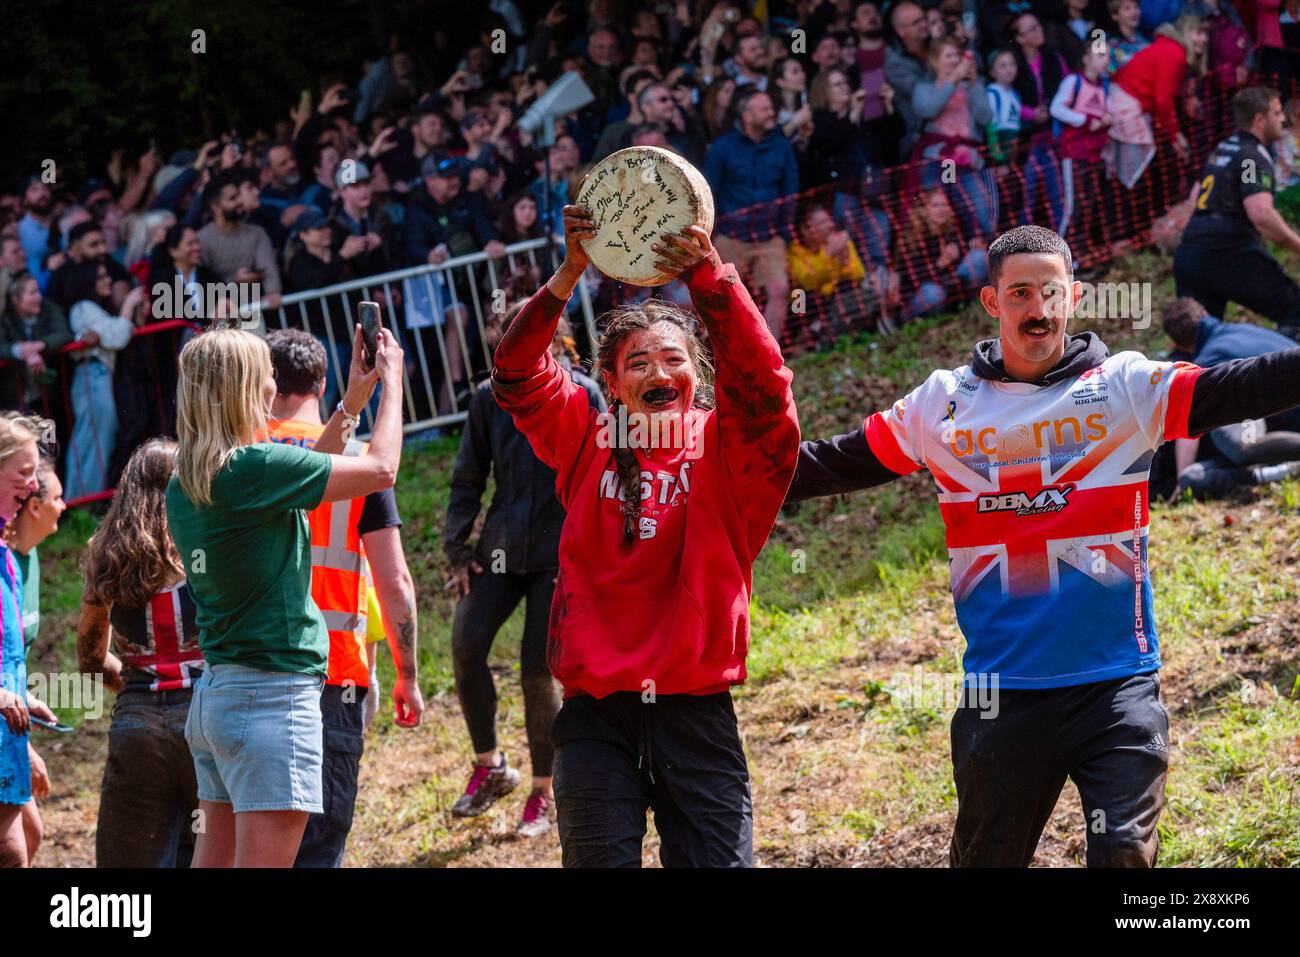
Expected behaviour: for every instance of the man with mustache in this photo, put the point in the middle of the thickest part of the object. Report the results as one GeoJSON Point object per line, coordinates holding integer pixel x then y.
{"type": "Point", "coordinates": [1040, 449]}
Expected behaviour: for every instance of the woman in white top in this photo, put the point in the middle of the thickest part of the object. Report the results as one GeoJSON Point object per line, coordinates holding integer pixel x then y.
{"type": "Point", "coordinates": [94, 409]}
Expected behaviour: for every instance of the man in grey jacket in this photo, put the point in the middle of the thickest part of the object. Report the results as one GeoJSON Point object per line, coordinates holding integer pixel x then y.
{"type": "Point", "coordinates": [905, 64]}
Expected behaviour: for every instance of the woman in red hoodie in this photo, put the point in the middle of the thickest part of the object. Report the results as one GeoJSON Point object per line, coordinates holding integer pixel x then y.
{"type": "Point", "coordinates": [650, 621]}
{"type": "Point", "coordinates": [1144, 95]}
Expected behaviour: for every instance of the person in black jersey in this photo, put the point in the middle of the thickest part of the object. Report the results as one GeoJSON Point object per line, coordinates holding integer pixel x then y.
{"type": "Point", "coordinates": [1221, 258]}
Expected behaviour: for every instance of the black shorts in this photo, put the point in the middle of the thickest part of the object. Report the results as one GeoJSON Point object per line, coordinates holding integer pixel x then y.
{"type": "Point", "coordinates": [680, 755]}
{"type": "Point", "coordinates": [1111, 738]}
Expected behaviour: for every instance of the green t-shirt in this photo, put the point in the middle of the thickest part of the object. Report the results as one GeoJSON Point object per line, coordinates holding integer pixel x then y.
{"type": "Point", "coordinates": [248, 559]}
{"type": "Point", "coordinates": [30, 568]}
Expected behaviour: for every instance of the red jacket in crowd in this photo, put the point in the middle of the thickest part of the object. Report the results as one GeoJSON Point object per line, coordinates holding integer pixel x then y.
{"type": "Point", "coordinates": [668, 614]}
{"type": "Point", "coordinates": [1154, 78]}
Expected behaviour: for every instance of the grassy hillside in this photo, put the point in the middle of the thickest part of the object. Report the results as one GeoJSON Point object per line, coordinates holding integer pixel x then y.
{"type": "Point", "coordinates": [850, 596]}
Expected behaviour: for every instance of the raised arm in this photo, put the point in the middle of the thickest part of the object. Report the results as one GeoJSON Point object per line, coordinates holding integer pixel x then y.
{"type": "Point", "coordinates": [929, 97]}
{"type": "Point", "coordinates": [376, 468]}
{"type": "Point", "coordinates": [361, 386]}
{"type": "Point", "coordinates": [757, 423]}
{"type": "Point", "coordinates": [546, 404]}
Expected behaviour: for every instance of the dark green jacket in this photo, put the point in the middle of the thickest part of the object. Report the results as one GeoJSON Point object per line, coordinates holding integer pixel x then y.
{"type": "Point", "coordinates": [51, 327]}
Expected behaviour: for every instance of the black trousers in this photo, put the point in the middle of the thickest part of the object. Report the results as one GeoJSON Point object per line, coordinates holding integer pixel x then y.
{"type": "Point", "coordinates": [491, 600]}
{"type": "Point", "coordinates": [679, 755]}
{"type": "Point", "coordinates": [1249, 276]}
{"type": "Point", "coordinates": [1111, 738]}
{"type": "Point", "coordinates": [149, 795]}
{"type": "Point", "coordinates": [1245, 446]}
{"type": "Point", "coordinates": [325, 839]}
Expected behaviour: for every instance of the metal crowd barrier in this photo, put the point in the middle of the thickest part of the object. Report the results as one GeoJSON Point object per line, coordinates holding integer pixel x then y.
{"type": "Point", "coordinates": [418, 305]}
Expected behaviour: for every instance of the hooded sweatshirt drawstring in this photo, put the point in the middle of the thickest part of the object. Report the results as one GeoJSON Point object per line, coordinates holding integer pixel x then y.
{"type": "Point", "coordinates": [645, 744]}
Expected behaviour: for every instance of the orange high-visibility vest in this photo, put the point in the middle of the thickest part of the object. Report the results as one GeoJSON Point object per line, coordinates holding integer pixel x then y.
{"type": "Point", "coordinates": [340, 575]}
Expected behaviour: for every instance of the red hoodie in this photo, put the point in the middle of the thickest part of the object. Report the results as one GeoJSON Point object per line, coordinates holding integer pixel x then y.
{"type": "Point", "coordinates": [673, 608]}
{"type": "Point", "coordinates": [1152, 78]}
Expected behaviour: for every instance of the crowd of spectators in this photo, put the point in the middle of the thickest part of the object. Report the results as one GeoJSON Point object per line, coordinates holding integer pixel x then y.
{"type": "Point", "coordinates": [860, 154]}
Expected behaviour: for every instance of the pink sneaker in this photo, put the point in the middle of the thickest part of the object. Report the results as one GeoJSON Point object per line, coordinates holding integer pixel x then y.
{"type": "Point", "coordinates": [485, 786]}
{"type": "Point", "coordinates": [538, 811]}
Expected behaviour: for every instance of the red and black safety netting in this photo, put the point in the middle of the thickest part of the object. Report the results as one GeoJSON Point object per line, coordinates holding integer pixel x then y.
{"type": "Point", "coordinates": [144, 393]}
{"type": "Point", "coordinates": [898, 240]}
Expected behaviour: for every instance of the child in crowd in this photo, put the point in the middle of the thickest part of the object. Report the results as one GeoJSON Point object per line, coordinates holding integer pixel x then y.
{"type": "Point", "coordinates": [1081, 125]}
{"type": "Point", "coordinates": [937, 263]}
{"type": "Point", "coordinates": [1127, 39]}
{"type": "Point", "coordinates": [1004, 131]}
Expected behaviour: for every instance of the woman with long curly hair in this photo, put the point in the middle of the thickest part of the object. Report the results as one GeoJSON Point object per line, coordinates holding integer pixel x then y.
{"type": "Point", "coordinates": [669, 497]}
{"type": "Point", "coordinates": [138, 632]}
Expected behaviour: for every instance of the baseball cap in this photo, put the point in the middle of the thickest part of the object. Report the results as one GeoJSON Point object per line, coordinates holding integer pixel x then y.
{"type": "Point", "coordinates": [476, 115]}
{"type": "Point", "coordinates": [310, 218]}
{"type": "Point", "coordinates": [356, 172]}
{"type": "Point", "coordinates": [440, 164]}
{"type": "Point", "coordinates": [432, 103]}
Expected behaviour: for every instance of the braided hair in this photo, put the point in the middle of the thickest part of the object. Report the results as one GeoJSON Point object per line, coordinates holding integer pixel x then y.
{"type": "Point", "coordinates": [618, 324]}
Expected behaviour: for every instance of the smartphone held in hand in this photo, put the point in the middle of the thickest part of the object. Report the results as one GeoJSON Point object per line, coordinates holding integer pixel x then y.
{"type": "Point", "coordinates": [370, 326]}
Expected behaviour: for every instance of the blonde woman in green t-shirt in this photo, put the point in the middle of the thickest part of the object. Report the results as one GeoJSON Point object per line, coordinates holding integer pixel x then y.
{"type": "Point", "coordinates": [236, 509]}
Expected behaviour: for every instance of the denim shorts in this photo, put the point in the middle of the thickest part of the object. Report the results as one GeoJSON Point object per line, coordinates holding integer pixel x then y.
{"type": "Point", "coordinates": [256, 739]}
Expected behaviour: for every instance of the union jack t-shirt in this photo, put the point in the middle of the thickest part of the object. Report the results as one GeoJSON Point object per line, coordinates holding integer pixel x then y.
{"type": "Point", "coordinates": [159, 644]}
{"type": "Point", "coordinates": [1043, 492]}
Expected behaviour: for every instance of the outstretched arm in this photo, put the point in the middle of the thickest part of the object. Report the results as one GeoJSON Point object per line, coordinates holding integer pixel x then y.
{"type": "Point", "coordinates": [887, 447]}
{"type": "Point", "coordinates": [842, 463]}
{"type": "Point", "coordinates": [1244, 389]}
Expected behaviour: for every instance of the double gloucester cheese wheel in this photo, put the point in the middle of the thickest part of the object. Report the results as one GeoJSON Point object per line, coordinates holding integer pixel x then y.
{"type": "Point", "coordinates": [637, 195]}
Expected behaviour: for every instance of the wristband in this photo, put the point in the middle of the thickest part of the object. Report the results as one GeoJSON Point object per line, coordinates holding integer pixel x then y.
{"type": "Point", "coordinates": [350, 422]}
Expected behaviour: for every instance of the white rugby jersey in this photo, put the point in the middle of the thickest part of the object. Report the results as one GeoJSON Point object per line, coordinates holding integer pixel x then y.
{"type": "Point", "coordinates": [1043, 491]}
